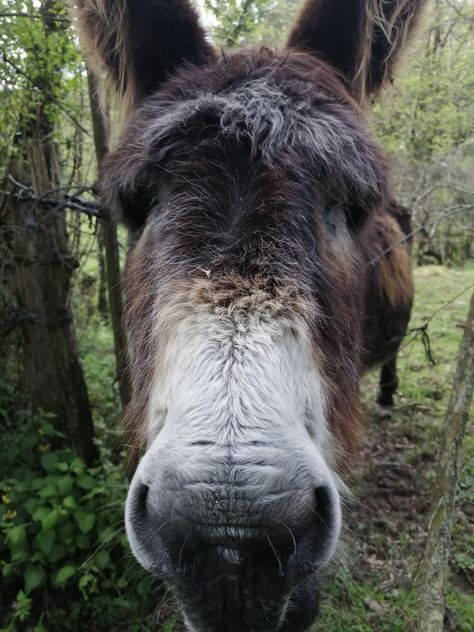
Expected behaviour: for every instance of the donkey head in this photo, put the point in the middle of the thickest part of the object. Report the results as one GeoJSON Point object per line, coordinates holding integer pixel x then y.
{"type": "Point", "coordinates": [248, 181]}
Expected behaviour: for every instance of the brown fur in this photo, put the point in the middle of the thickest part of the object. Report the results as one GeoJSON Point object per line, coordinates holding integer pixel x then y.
{"type": "Point", "coordinates": [362, 40]}
{"type": "Point", "coordinates": [168, 35]}
{"type": "Point", "coordinates": [391, 260]}
{"type": "Point", "coordinates": [256, 194]}
{"type": "Point", "coordinates": [232, 190]}
{"type": "Point", "coordinates": [390, 290]}
{"type": "Point", "coordinates": [232, 278]}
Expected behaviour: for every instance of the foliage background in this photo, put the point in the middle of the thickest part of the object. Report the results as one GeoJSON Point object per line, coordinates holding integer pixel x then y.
{"type": "Point", "coordinates": [65, 563]}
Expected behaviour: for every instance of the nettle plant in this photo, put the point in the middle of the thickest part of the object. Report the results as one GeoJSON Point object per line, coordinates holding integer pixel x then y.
{"type": "Point", "coordinates": [61, 535]}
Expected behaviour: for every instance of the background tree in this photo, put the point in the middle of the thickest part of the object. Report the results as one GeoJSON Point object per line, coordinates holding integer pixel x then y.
{"type": "Point", "coordinates": [427, 126]}
{"type": "Point", "coordinates": [64, 560]}
{"type": "Point", "coordinates": [109, 235]}
{"type": "Point", "coordinates": [42, 263]}
{"type": "Point", "coordinates": [435, 563]}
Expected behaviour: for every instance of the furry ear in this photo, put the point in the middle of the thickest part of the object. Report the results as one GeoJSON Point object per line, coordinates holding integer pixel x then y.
{"type": "Point", "coordinates": [139, 43]}
{"type": "Point", "coordinates": [363, 39]}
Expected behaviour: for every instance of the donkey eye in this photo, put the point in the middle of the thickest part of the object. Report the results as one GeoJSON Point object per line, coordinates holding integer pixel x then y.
{"type": "Point", "coordinates": [335, 218]}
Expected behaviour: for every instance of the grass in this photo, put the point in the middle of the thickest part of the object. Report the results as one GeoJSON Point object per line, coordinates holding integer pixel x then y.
{"type": "Point", "coordinates": [376, 588]}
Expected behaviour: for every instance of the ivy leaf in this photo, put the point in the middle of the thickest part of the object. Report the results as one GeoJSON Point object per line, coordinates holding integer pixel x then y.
{"type": "Point", "coordinates": [34, 577]}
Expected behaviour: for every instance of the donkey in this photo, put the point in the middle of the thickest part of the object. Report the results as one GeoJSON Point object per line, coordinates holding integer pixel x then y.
{"type": "Point", "coordinates": [269, 266]}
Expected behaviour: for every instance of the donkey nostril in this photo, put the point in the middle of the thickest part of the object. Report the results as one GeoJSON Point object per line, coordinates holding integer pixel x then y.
{"type": "Point", "coordinates": [140, 500]}
{"type": "Point", "coordinates": [322, 497]}
{"type": "Point", "coordinates": [323, 511]}
{"type": "Point", "coordinates": [317, 544]}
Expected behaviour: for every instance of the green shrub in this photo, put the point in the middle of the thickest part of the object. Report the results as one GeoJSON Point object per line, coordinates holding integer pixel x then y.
{"type": "Point", "coordinates": [65, 557]}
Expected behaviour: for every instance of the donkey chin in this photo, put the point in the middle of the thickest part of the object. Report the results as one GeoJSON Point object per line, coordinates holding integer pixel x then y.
{"type": "Point", "coordinates": [238, 530]}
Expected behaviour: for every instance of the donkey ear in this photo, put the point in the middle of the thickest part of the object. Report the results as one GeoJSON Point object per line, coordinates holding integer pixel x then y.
{"type": "Point", "coordinates": [139, 43]}
{"type": "Point", "coordinates": [363, 39]}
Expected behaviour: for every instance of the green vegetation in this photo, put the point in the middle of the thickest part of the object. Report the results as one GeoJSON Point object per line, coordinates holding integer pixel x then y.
{"type": "Point", "coordinates": [375, 586]}
{"type": "Point", "coordinates": [65, 563]}
{"type": "Point", "coordinates": [66, 560]}
{"type": "Point", "coordinates": [62, 535]}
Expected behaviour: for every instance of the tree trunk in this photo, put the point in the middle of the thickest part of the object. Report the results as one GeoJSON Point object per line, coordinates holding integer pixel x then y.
{"type": "Point", "coordinates": [43, 273]}
{"type": "Point", "coordinates": [435, 563]}
{"type": "Point", "coordinates": [112, 253]}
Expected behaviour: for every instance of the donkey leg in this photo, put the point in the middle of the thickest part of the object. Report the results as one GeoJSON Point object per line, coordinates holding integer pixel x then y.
{"type": "Point", "coordinates": [388, 382]}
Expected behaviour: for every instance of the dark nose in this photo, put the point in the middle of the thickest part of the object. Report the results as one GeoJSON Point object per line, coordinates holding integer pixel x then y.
{"type": "Point", "coordinates": [232, 558]}
{"type": "Point", "coordinates": [282, 535]}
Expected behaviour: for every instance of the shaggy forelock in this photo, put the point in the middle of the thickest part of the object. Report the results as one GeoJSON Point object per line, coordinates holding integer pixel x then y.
{"type": "Point", "coordinates": [282, 127]}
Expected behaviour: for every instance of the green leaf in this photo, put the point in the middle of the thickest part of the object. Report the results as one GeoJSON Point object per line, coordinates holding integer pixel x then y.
{"type": "Point", "coordinates": [77, 465]}
{"type": "Point", "coordinates": [58, 552]}
{"type": "Point", "coordinates": [70, 502]}
{"type": "Point", "coordinates": [86, 579]}
{"type": "Point", "coordinates": [85, 521]}
{"type": "Point", "coordinates": [45, 541]}
{"type": "Point", "coordinates": [86, 482]}
{"type": "Point", "coordinates": [101, 559]}
{"type": "Point", "coordinates": [48, 491]}
{"type": "Point", "coordinates": [64, 484]}
{"type": "Point", "coordinates": [65, 573]}
{"type": "Point", "coordinates": [20, 554]}
{"type": "Point", "coordinates": [22, 602]}
{"type": "Point", "coordinates": [50, 520]}
{"type": "Point", "coordinates": [67, 530]}
{"type": "Point", "coordinates": [41, 513]}
{"type": "Point", "coordinates": [170, 624]}
{"type": "Point", "coordinates": [49, 461]}
{"type": "Point", "coordinates": [16, 535]}
{"type": "Point", "coordinates": [34, 577]}
{"type": "Point", "coordinates": [82, 541]}
{"type": "Point", "coordinates": [30, 505]}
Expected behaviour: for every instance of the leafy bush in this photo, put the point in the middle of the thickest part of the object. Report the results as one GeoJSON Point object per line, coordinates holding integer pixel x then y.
{"type": "Point", "coordinates": [64, 553]}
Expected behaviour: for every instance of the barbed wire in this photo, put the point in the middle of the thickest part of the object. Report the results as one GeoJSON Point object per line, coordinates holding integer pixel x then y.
{"type": "Point", "coordinates": [462, 208]}
{"type": "Point", "coordinates": [422, 330]}
{"type": "Point", "coordinates": [71, 202]}
{"type": "Point", "coordinates": [77, 203]}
